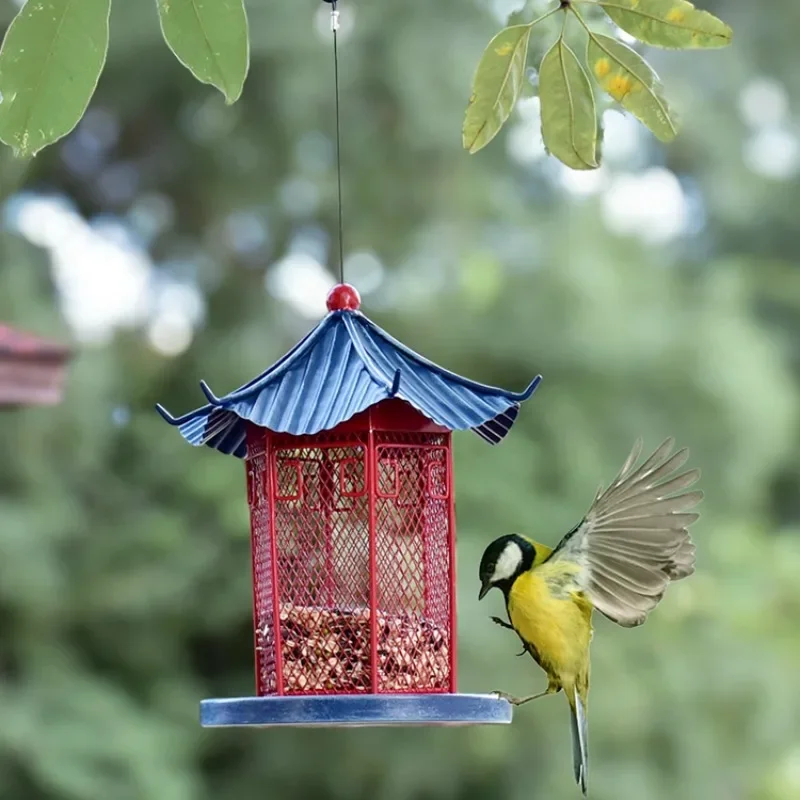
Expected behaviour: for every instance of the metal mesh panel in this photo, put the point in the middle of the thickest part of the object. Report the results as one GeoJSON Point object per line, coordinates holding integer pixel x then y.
{"type": "Point", "coordinates": [261, 549]}
{"type": "Point", "coordinates": [412, 558]}
{"type": "Point", "coordinates": [362, 563]}
{"type": "Point", "coordinates": [322, 536]}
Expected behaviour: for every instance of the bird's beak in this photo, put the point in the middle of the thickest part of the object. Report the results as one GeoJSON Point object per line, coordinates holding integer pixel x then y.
{"type": "Point", "coordinates": [484, 588]}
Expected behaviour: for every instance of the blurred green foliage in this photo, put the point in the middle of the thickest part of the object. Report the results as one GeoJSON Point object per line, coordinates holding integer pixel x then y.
{"type": "Point", "coordinates": [124, 565]}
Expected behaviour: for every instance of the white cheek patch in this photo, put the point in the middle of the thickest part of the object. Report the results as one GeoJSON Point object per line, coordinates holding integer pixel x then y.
{"type": "Point", "coordinates": [508, 563]}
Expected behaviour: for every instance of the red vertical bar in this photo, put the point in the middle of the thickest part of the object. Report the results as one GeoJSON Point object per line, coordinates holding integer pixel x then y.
{"type": "Point", "coordinates": [373, 544]}
{"type": "Point", "coordinates": [451, 503]}
{"type": "Point", "coordinates": [276, 607]}
{"type": "Point", "coordinates": [423, 464]}
{"type": "Point", "coordinates": [326, 495]}
{"type": "Point", "coordinates": [252, 497]}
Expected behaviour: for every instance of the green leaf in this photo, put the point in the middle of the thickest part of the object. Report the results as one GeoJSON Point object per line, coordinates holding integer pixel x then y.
{"type": "Point", "coordinates": [496, 87]}
{"type": "Point", "coordinates": [569, 117]}
{"type": "Point", "coordinates": [632, 82]}
{"type": "Point", "coordinates": [209, 37]}
{"type": "Point", "coordinates": [50, 62]}
{"type": "Point", "coordinates": [668, 23]}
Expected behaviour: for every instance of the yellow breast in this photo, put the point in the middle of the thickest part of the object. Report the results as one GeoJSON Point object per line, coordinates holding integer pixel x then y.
{"type": "Point", "coordinates": [558, 627]}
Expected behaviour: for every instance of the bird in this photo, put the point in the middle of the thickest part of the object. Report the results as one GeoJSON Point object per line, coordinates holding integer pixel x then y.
{"type": "Point", "coordinates": [619, 560]}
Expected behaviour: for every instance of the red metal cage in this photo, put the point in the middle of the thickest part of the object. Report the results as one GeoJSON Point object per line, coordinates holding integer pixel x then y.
{"type": "Point", "coordinates": [352, 526]}
{"type": "Point", "coordinates": [353, 556]}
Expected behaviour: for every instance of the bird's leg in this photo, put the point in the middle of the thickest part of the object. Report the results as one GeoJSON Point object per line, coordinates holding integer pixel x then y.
{"type": "Point", "coordinates": [518, 701]}
{"type": "Point", "coordinates": [525, 648]}
{"type": "Point", "coordinates": [503, 624]}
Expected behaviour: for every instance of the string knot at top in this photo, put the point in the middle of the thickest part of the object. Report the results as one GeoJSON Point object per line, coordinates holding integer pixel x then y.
{"type": "Point", "coordinates": [334, 15]}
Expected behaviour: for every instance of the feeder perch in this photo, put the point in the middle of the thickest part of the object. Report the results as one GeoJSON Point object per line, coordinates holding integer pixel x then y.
{"type": "Point", "coordinates": [346, 442]}
{"type": "Point", "coordinates": [32, 369]}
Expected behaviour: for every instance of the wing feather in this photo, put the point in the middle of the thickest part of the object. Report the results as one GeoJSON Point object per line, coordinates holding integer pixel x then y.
{"type": "Point", "coordinates": [683, 481]}
{"type": "Point", "coordinates": [634, 540]}
{"type": "Point", "coordinates": [682, 565]}
{"type": "Point", "coordinates": [665, 522]}
{"type": "Point", "coordinates": [624, 608]}
{"type": "Point", "coordinates": [634, 508]}
{"type": "Point", "coordinates": [637, 578]}
{"type": "Point", "coordinates": [659, 555]}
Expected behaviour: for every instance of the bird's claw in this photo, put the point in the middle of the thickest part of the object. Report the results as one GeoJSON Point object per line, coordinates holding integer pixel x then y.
{"type": "Point", "coordinates": [509, 698]}
{"type": "Point", "coordinates": [503, 624]}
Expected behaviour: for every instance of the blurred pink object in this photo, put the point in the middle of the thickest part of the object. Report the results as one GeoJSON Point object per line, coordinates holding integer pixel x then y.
{"type": "Point", "coordinates": [32, 369]}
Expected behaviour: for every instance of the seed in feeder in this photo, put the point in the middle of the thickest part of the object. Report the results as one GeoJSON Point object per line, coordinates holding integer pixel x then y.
{"type": "Point", "coordinates": [330, 650]}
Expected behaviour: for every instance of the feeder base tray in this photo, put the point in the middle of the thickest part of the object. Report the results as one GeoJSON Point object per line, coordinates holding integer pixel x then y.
{"type": "Point", "coordinates": [357, 710]}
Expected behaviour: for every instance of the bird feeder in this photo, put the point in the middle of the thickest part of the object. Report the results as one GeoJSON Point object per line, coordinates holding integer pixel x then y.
{"type": "Point", "coordinates": [32, 369]}
{"type": "Point", "coordinates": [346, 442]}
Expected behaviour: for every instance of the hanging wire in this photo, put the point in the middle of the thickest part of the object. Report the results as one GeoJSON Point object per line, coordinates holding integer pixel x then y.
{"type": "Point", "coordinates": [335, 29]}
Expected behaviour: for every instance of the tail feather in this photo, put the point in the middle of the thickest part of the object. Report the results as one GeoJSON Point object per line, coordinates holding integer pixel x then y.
{"type": "Point", "coordinates": [580, 737]}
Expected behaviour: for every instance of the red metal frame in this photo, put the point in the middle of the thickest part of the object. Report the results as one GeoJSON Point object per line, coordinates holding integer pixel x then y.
{"type": "Point", "coordinates": [451, 510]}
{"type": "Point", "coordinates": [342, 479]}
{"type": "Point", "coordinates": [429, 481]}
{"type": "Point", "coordinates": [251, 500]}
{"type": "Point", "coordinates": [372, 467]}
{"type": "Point", "coordinates": [296, 464]}
{"type": "Point", "coordinates": [362, 590]}
{"type": "Point", "coordinates": [276, 605]}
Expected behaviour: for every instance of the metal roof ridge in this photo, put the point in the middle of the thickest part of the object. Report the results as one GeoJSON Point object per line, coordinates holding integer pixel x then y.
{"type": "Point", "coordinates": [363, 334]}
{"type": "Point", "coordinates": [277, 369]}
{"type": "Point", "coordinates": [246, 388]}
{"type": "Point", "coordinates": [517, 397]}
{"type": "Point", "coordinates": [372, 368]}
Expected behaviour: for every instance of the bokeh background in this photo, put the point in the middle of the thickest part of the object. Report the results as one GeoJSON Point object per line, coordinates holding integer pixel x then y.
{"type": "Point", "coordinates": [172, 238]}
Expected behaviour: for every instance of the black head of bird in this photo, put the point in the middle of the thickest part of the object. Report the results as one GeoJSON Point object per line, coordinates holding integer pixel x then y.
{"type": "Point", "coordinates": [503, 560]}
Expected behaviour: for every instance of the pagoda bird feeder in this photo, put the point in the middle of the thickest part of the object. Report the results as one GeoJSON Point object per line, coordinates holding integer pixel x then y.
{"type": "Point", "coordinates": [32, 369]}
{"type": "Point", "coordinates": [346, 442]}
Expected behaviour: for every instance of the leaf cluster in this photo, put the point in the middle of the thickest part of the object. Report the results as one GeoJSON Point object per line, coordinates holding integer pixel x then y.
{"type": "Point", "coordinates": [55, 50]}
{"type": "Point", "coordinates": [568, 109]}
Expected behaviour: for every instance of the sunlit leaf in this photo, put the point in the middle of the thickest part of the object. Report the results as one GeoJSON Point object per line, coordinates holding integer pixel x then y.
{"type": "Point", "coordinates": [668, 23]}
{"type": "Point", "coordinates": [569, 117]}
{"type": "Point", "coordinates": [209, 37]}
{"type": "Point", "coordinates": [632, 82]}
{"type": "Point", "coordinates": [50, 62]}
{"type": "Point", "coordinates": [496, 87]}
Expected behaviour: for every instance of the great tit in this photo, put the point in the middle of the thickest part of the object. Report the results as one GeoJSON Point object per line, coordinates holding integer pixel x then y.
{"type": "Point", "coordinates": [619, 559]}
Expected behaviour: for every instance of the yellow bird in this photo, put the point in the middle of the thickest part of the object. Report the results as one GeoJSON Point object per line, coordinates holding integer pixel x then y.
{"type": "Point", "coordinates": [619, 559]}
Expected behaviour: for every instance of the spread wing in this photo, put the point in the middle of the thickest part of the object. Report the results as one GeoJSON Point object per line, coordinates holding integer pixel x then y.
{"type": "Point", "coordinates": [634, 540]}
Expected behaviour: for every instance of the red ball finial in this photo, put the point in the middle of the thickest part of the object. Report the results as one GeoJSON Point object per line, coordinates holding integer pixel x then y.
{"type": "Point", "coordinates": [343, 297]}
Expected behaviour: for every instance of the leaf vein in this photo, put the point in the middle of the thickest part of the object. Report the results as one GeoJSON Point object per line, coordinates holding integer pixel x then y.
{"type": "Point", "coordinates": [670, 23]}
{"type": "Point", "coordinates": [649, 89]}
{"type": "Point", "coordinates": [206, 39]}
{"type": "Point", "coordinates": [502, 85]}
{"type": "Point", "coordinates": [570, 101]}
{"type": "Point", "coordinates": [35, 91]}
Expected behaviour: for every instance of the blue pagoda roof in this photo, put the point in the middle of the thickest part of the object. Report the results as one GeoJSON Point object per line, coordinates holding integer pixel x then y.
{"type": "Point", "coordinates": [342, 367]}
